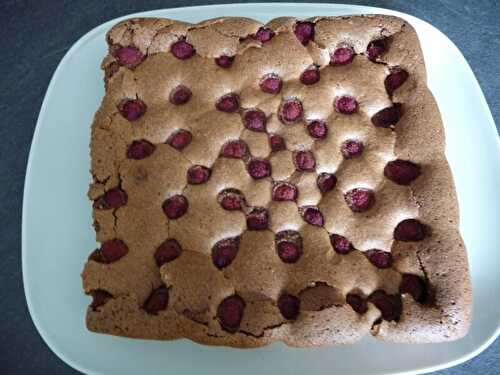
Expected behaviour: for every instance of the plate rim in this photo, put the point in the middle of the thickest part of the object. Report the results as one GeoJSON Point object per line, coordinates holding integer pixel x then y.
{"type": "Point", "coordinates": [96, 30]}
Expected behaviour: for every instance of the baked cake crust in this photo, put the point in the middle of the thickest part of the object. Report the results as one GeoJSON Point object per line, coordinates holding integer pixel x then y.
{"type": "Point", "coordinates": [229, 158]}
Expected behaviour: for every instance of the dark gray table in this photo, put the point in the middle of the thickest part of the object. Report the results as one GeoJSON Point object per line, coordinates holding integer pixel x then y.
{"type": "Point", "coordinates": [36, 35]}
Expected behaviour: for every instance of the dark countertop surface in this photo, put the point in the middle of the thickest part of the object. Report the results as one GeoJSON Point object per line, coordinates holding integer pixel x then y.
{"type": "Point", "coordinates": [36, 36]}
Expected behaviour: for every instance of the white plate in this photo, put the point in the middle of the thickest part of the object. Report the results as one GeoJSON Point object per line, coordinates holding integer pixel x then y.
{"type": "Point", "coordinates": [57, 232]}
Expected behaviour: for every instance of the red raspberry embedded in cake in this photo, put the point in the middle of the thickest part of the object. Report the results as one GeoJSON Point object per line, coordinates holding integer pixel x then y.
{"type": "Point", "coordinates": [283, 191]}
{"type": "Point", "coordinates": [277, 143]}
{"type": "Point", "coordinates": [180, 95]}
{"type": "Point", "coordinates": [351, 148]}
{"type": "Point", "coordinates": [198, 174]}
{"type": "Point", "coordinates": [112, 250]}
{"type": "Point", "coordinates": [99, 298]}
{"type": "Point", "coordinates": [409, 230]}
{"type": "Point", "coordinates": [340, 244]}
{"type": "Point", "coordinates": [132, 109]}
{"type": "Point", "coordinates": [230, 313]}
{"type": "Point", "coordinates": [326, 182]}
{"type": "Point", "coordinates": [254, 119]}
{"type": "Point", "coordinates": [112, 199]}
{"type": "Point", "coordinates": [360, 199]}
{"type": "Point", "coordinates": [395, 79]}
{"type": "Point", "coordinates": [379, 258]}
{"type": "Point", "coordinates": [304, 31]}
{"type": "Point", "coordinates": [175, 206]}
{"type": "Point", "coordinates": [140, 149]}
{"type": "Point", "coordinates": [346, 105]}
{"type": "Point", "coordinates": [343, 55]}
{"type": "Point", "coordinates": [259, 168]}
{"type": "Point", "coordinates": [415, 286]}
{"type": "Point", "coordinates": [167, 252]}
{"type": "Point", "coordinates": [317, 129]}
{"type": "Point", "coordinates": [304, 160]}
{"type": "Point", "coordinates": [236, 149]}
{"type": "Point", "coordinates": [357, 303]}
{"type": "Point", "coordinates": [228, 103]}
{"type": "Point", "coordinates": [390, 306]}
{"type": "Point", "coordinates": [264, 34]}
{"type": "Point", "coordinates": [231, 199]}
{"type": "Point", "coordinates": [289, 306]}
{"type": "Point", "coordinates": [387, 116]}
{"type": "Point", "coordinates": [180, 139]}
{"type": "Point", "coordinates": [313, 216]}
{"type": "Point", "coordinates": [129, 56]}
{"type": "Point", "coordinates": [182, 49]}
{"type": "Point", "coordinates": [402, 172]}
{"type": "Point", "coordinates": [289, 246]}
{"type": "Point", "coordinates": [224, 252]}
{"type": "Point", "coordinates": [157, 301]}
{"type": "Point", "coordinates": [257, 219]}
{"type": "Point", "coordinates": [271, 83]}
{"type": "Point", "coordinates": [375, 49]}
{"type": "Point", "coordinates": [290, 111]}
{"type": "Point", "coordinates": [224, 61]}
{"type": "Point", "coordinates": [310, 76]}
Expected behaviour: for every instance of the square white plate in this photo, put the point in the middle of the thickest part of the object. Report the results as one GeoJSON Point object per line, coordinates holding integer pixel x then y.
{"type": "Point", "coordinates": [57, 232]}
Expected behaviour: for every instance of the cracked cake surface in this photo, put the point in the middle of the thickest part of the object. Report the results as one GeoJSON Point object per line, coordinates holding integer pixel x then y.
{"type": "Point", "coordinates": [271, 182]}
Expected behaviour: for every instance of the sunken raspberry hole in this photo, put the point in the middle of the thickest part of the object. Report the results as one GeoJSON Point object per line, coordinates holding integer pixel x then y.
{"type": "Point", "coordinates": [180, 95]}
{"type": "Point", "coordinates": [415, 286]}
{"type": "Point", "coordinates": [236, 149]}
{"type": "Point", "coordinates": [157, 301]}
{"type": "Point", "coordinates": [313, 216]}
{"type": "Point", "coordinates": [376, 48]}
{"type": "Point", "coordinates": [288, 246]}
{"type": "Point", "coordinates": [271, 83]}
{"type": "Point", "coordinates": [351, 148]}
{"type": "Point", "coordinates": [289, 306]}
{"type": "Point", "coordinates": [224, 61]}
{"type": "Point", "coordinates": [175, 206]}
{"type": "Point", "coordinates": [409, 230]}
{"type": "Point", "coordinates": [388, 116]}
{"type": "Point", "coordinates": [112, 199]}
{"type": "Point", "coordinates": [346, 105]}
{"type": "Point", "coordinates": [231, 199]}
{"type": "Point", "coordinates": [343, 55]}
{"type": "Point", "coordinates": [402, 172]}
{"type": "Point", "coordinates": [340, 244]}
{"type": "Point", "coordinates": [167, 252]}
{"type": "Point", "coordinates": [357, 303]}
{"type": "Point", "coordinates": [360, 199]}
{"type": "Point", "coordinates": [180, 139]}
{"type": "Point", "coordinates": [257, 219]}
{"type": "Point", "coordinates": [259, 168]}
{"type": "Point", "coordinates": [228, 103]}
{"type": "Point", "coordinates": [310, 76]}
{"type": "Point", "coordinates": [198, 174]}
{"type": "Point", "coordinates": [230, 313]}
{"type": "Point", "coordinates": [396, 78]}
{"type": "Point", "coordinates": [390, 306]}
{"type": "Point", "coordinates": [379, 258]}
{"type": "Point", "coordinates": [277, 143]}
{"type": "Point", "coordinates": [224, 252]}
{"type": "Point", "coordinates": [284, 191]}
{"type": "Point", "coordinates": [317, 129]}
{"type": "Point", "coordinates": [99, 298]}
{"type": "Point", "coordinates": [254, 119]}
{"type": "Point", "coordinates": [326, 182]}
{"type": "Point", "coordinates": [110, 251]}
{"type": "Point", "coordinates": [304, 160]}
{"type": "Point", "coordinates": [290, 111]}
{"type": "Point", "coordinates": [129, 57]}
{"type": "Point", "coordinates": [304, 31]}
{"type": "Point", "coordinates": [264, 34]}
{"type": "Point", "coordinates": [182, 49]}
{"type": "Point", "coordinates": [132, 109]}
{"type": "Point", "coordinates": [140, 149]}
